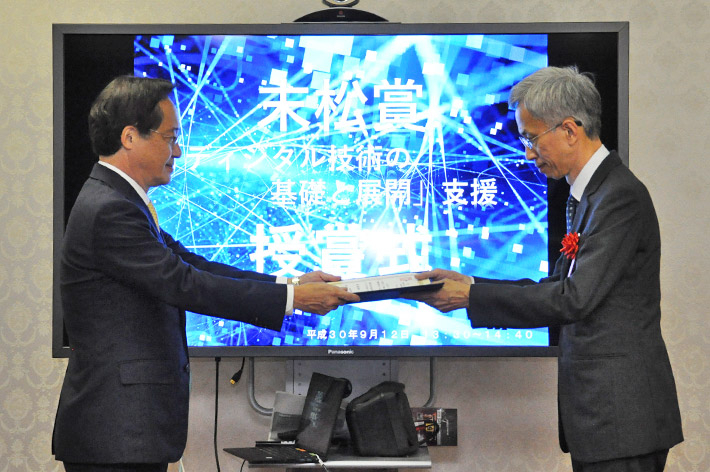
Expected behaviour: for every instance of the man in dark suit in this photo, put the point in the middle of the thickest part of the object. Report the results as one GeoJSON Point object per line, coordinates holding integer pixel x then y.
{"type": "Point", "coordinates": [618, 408]}
{"type": "Point", "coordinates": [125, 286]}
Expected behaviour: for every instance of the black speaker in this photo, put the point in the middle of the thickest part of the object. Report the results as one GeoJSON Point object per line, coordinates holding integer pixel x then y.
{"type": "Point", "coordinates": [380, 422]}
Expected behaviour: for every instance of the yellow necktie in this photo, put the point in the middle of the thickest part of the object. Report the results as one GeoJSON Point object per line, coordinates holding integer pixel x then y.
{"type": "Point", "coordinates": [153, 213]}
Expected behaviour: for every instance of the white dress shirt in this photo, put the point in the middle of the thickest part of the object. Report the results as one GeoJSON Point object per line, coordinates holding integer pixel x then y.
{"type": "Point", "coordinates": [580, 183]}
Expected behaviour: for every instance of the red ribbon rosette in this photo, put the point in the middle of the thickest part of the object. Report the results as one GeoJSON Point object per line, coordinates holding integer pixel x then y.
{"type": "Point", "coordinates": [570, 245]}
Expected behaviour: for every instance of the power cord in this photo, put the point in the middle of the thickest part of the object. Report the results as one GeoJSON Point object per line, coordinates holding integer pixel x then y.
{"type": "Point", "coordinates": [238, 375]}
{"type": "Point", "coordinates": [320, 461]}
{"type": "Point", "coordinates": [235, 378]}
{"type": "Point", "coordinates": [216, 408]}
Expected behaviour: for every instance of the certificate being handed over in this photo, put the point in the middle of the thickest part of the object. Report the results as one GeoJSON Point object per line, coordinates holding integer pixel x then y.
{"type": "Point", "coordinates": [383, 287]}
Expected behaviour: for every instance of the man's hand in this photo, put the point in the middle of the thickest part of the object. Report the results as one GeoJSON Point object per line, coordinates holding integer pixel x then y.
{"type": "Point", "coordinates": [318, 276]}
{"type": "Point", "coordinates": [441, 274]}
{"type": "Point", "coordinates": [320, 298]}
{"type": "Point", "coordinates": [451, 296]}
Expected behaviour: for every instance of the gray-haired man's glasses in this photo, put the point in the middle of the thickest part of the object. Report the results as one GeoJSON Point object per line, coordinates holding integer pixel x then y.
{"type": "Point", "coordinates": [530, 142]}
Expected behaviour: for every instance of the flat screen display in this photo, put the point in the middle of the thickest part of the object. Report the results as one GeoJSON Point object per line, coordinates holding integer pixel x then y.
{"type": "Point", "coordinates": [371, 151]}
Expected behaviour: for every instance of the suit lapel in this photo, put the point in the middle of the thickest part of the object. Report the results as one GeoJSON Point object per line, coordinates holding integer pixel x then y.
{"type": "Point", "coordinates": [118, 183]}
{"type": "Point", "coordinates": [581, 216]}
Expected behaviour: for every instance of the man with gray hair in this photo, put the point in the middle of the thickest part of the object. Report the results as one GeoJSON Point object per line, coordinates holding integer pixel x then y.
{"type": "Point", "coordinates": [617, 402]}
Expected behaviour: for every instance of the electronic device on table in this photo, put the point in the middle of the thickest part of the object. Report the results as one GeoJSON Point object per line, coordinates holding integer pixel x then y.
{"type": "Point", "coordinates": [316, 427]}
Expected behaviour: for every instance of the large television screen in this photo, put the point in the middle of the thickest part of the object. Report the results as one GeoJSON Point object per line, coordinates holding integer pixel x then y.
{"type": "Point", "coordinates": [359, 149]}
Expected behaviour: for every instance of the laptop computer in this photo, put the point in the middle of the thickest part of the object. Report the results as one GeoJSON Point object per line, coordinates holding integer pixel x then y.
{"type": "Point", "coordinates": [315, 431]}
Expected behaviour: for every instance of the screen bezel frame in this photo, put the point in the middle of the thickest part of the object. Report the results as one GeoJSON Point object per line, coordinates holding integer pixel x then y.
{"type": "Point", "coordinates": [59, 31]}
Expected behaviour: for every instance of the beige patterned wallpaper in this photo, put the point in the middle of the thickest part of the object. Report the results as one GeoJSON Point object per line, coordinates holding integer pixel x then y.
{"type": "Point", "coordinates": [506, 406]}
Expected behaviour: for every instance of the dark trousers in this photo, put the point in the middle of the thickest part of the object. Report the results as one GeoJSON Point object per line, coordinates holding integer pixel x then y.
{"type": "Point", "coordinates": [71, 467]}
{"type": "Point", "coordinates": [654, 462]}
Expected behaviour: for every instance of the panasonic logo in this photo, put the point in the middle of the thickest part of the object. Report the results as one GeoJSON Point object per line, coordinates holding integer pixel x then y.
{"type": "Point", "coordinates": [341, 352]}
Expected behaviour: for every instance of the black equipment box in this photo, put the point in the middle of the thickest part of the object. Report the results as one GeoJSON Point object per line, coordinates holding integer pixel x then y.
{"type": "Point", "coordinates": [380, 422]}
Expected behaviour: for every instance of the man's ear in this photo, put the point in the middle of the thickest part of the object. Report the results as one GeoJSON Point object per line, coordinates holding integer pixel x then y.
{"type": "Point", "coordinates": [129, 135]}
{"type": "Point", "coordinates": [572, 131]}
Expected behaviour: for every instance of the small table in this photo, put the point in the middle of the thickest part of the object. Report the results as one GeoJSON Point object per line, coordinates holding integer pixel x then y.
{"type": "Point", "coordinates": [343, 457]}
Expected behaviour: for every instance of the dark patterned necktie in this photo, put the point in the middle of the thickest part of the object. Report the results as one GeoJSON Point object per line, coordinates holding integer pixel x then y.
{"type": "Point", "coordinates": [571, 209]}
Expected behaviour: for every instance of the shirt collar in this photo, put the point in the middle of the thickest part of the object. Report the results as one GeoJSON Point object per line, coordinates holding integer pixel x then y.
{"type": "Point", "coordinates": [139, 190]}
{"type": "Point", "coordinates": [580, 183]}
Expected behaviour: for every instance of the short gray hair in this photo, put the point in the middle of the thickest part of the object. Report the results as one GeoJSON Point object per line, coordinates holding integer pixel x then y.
{"type": "Point", "coordinates": [555, 93]}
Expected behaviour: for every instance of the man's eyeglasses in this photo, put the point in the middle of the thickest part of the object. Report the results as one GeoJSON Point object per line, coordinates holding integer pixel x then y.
{"type": "Point", "coordinates": [530, 142]}
{"type": "Point", "coordinates": [171, 139]}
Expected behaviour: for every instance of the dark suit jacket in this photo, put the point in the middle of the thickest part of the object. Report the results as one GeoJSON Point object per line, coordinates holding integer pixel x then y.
{"type": "Point", "coordinates": [616, 391]}
{"type": "Point", "coordinates": [125, 286]}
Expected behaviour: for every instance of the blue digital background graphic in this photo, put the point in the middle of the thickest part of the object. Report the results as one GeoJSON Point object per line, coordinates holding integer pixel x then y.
{"type": "Point", "coordinates": [357, 155]}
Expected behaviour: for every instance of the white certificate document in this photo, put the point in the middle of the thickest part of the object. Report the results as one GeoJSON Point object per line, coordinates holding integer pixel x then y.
{"type": "Point", "coordinates": [383, 287]}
